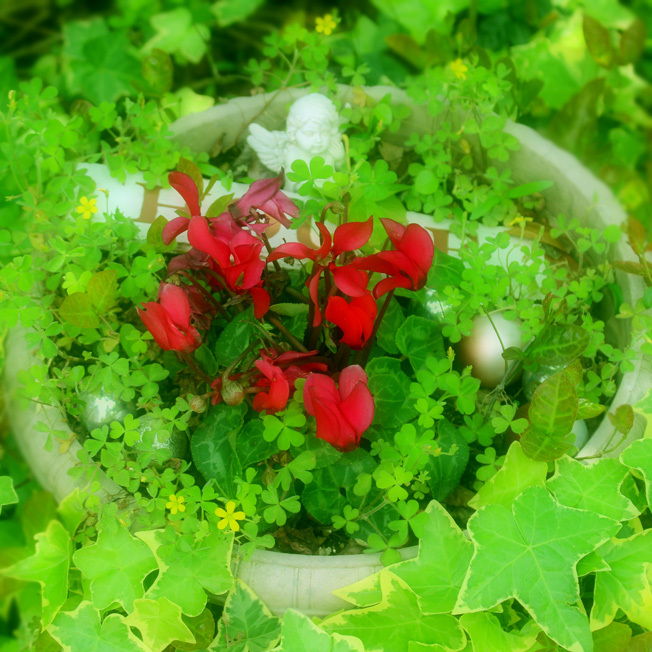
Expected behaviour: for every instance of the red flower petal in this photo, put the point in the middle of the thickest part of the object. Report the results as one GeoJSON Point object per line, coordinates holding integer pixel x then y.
{"type": "Point", "coordinates": [351, 281]}
{"type": "Point", "coordinates": [261, 301]}
{"type": "Point", "coordinates": [349, 378]}
{"type": "Point", "coordinates": [173, 228]}
{"type": "Point", "coordinates": [292, 250]}
{"type": "Point", "coordinates": [187, 188]}
{"type": "Point", "coordinates": [200, 237]}
{"type": "Point", "coordinates": [358, 408]}
{"type": "Point", "coordinates": [352, 236]}
{"type": "Point", "coordinates": [321, 387]}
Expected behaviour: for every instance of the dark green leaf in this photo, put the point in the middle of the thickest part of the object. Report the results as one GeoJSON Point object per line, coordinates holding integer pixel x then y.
{"type": "Point", "coordinates": [211, 446]}
{"type": "Point", "coordinates": [235, 337]}
{"type": "Point", "coordinates": [386, 336]}
{"type": "Point", "coordinates": [418, 338]}
{"type": "Point", "coordinates": [559, 345]}
{"type": "Point", "coordinates": [290, 309]}
{"type": "Point", "coordinates": [632, 42]}
{"type": "Point", "coordinates": [158, 71]}
{"type": "Point", "coordinates": [446, 469]}
{"type": "Point", "coordinates": [251, 445]}
{"type": "Point", "coordinates": [389, 392]}
{"type": "Point", "coordinates": [155, 231]}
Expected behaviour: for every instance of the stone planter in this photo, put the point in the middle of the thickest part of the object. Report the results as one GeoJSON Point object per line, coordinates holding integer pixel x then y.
{"type": "Point", "coordinates": [303, 582]}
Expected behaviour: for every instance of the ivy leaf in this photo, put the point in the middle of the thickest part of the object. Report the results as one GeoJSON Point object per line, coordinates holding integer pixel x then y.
{"type": "Point", "coordinates": [116, 565]}
{"type": "Point", "coordinates": [177, 33]}
{"type": "Point", "coordinates": [627, 583]}
{"type": "Point", "coordinates": [49, 567]}
{"type": "Point", "coordinates": [437, 573]}
{"type": "Point", "coordinates": [188, 568]}
{"type": "Point", "coordinates": [517, 473]}
{"type": "Point", "coordinates": [530, 553]}
{"type": "Point", "coordinates": [8, 494]}
{"type": "Point", "coordinates": [300, 634]}
{"type": "Point", "coordinates": [246, 625]}
{"type": "Point", "coordinates": [594, 487]}
{"type": "Point", "coordinates": [82, 629]}
{"type": "Point", "coordinates": [77, 309]}
{"type": "Point", "coordinates": [488, 635]}
{"type": "Point", "coordinates": [397, 621]}
{"type": "Point", "coordinates": [639, 456]}
{"type": "Point", "coordinates": [159, 622]}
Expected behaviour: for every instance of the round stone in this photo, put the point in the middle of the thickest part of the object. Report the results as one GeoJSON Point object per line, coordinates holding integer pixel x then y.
{"type": "Point", "coordinates": [102, 407]}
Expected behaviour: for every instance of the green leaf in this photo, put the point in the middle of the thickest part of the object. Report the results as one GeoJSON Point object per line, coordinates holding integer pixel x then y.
{"type": "Point", "coordinates": [155, 232]}
{"type": "Point", "coordinates": [517, 473]}
{"type": "Point", "coordinates": [106, 68]}
{"type": "Point", "coordinates": [211, 447]}
{"type": "Point", "coordinates": [627, 584]}
{"type": "Point", "coordinates": [101, 289]}
{"type": "Point", "coordinates": [488, 635]}
{"type": "Point", "coordinates": [558, 346]}
{"type": "Point", "coordinates": [177, 33]}
{"type": "Point", "coordinates": [77, 309]}
{"type": "Point", "coordinates": [390, 391]}
{"type": "Point", "coordinates": [437, 573]}
{"type": "Point", "coordinates": [228, 12]}
{"type": "Point", "coordinates": [300, 634]}
{"type": "Point", "coordinates": [445, 470]}
{"type": "Point", "coordinates": [528, 189]}
{"type": "Point", "coordinates": [116, 566]}
{"type": "Point", "coordinates": [632, 42]}
{"type": "Point", "coordinates": [235, 337]}
{"type": "Point", "coordinates": [159, 622]}
{"type": "Point", "coordinates": [396, 621]}
{"type": "Point", "coordinates": [49, 567]}
{"type": "Point", "coordinates": [82, 629]}
{"type": "Point", "coordinates": [639, 456]}
{"type": "Point", "coordinates": [322, 497]}
{"type": "Point", "coordinates": [593, 487]}
{"type": "Point", "coordinates": [188, 568]}
{"type": "Point", "coordinates": [386, 336]}
{"type": "Point", "coordinates": [417, 338]}
{"type": "Point", "coordinates": [219, 206]}
{"type": "Point", "coordinates": [598, 41]}
{"type": "Point", "coordinates": [530, 554]}
{"type": "Point", "coordinates": [246, 625]}
{"type": "Point", "coordinates": [612, 638]}
{"type": "Point", "coordinates": [552, 414]}
{"type": "Point", "coordinates": [290, 309]}
{"type": "Point", "coordinates": [8, 495]}
{"type": "Point", "coordinates": [251, 446]}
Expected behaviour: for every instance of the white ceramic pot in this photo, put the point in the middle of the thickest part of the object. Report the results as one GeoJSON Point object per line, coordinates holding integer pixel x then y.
{"type": "Point", "coordinates": [298, 581]}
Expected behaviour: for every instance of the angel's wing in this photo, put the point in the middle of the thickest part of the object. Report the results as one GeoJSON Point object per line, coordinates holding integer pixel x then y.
{"type": "Point", "coordinates": [269, 145]}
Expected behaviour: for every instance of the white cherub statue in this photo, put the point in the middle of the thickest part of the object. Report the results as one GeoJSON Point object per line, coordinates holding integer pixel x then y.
{"type": "Point", "coordinates": [312, 129]}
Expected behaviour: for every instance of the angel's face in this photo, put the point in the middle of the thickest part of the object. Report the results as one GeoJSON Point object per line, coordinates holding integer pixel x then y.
{"type": "Point", "coordinates": [313, 137]}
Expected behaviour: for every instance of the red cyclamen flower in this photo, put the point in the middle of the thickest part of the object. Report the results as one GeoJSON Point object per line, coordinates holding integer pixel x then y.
{"type": "Point", "coordinates": [347, 237]}
{"type": "Point", "coordinates": [265, 195]}
{"type": "Point", "coordinates": [342, 414]}
{"type": "Point", "coordinates": [169, 320]}
{"type": "Point", "coordinates": [408, 265]}
{"type": "Point", "coordinates": [355, 319]}
{"type": "Point", "coordinates": [279, 389]}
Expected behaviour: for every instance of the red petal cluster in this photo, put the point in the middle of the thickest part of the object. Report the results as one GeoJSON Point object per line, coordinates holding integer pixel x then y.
{"type": "Point", "coordinates": [169, 320]}
{"type": "Point", "coordinates": [408, 265]}
{"type": "Point", "coordinates": [348, 279]}
{"type": "Point", "coordinates": [355, 319]}
{"type": "Point", "coordinates": [343, 413]}
{"type": "Point", "coordinates": [265, 196]}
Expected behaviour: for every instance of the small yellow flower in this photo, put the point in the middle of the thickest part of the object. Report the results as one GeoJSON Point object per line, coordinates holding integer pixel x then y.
{"type": "Point", "coordinates": [87, 207]}
{"type": "Point", "coordinates": [176, 504]}
{"type": "Point", "coordinates": [229, 517]}
{"type": "Point", "coordinates": [459, 68]}
{"type": "Point", "coordinates": [519, 219]}
{"type": "Point", "coordinates": [325, 25]}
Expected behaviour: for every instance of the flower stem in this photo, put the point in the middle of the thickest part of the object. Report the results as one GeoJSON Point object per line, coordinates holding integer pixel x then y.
{"type": "Point", "coordinates": [370, 342]}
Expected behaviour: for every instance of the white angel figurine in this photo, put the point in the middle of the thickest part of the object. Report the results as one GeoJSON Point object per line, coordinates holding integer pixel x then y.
{"type": "Point", "coordinates": [312, 129]}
